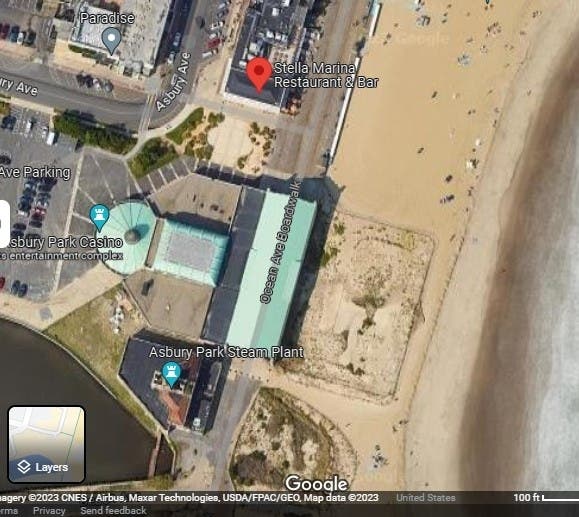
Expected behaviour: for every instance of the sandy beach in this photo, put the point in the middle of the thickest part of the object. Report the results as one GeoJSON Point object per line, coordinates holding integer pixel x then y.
{"type": "Point", "coordinates": [491, 410]}
{"type": "Point", "coordinates": [434, 149]}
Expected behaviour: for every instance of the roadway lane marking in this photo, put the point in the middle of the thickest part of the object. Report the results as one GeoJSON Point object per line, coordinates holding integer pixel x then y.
{"type": "Point", "coordinates": [82, 218]}
{"type": "Point", "coordinates": [87, 195]}
{"type": "Point", "coordinates": [107, 186]}
{"type": "Point", "coordinates": [75, 186]}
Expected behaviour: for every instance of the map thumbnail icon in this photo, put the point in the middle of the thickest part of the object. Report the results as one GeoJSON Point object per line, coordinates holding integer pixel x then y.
{"type": "Point", "coordinates": [99, 215]}
{"type": "Point", "coordinates": [46, 444]}
{"type": "Point", "coordinates": [111, 37]}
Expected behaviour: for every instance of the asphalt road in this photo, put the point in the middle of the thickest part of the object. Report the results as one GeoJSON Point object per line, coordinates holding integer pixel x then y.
{"type": "Point", "coordinates": [108, 110]}
{"type": "Point", "coordinates": [193, 43]}
{"type": "Point", "coordinates": [52, 94]}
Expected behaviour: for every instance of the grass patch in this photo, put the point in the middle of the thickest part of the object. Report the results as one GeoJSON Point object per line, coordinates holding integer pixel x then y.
{"type": "Point", "coordinates": [329, 253]}
{"type": "Point", "coordinates": [105, 137]}
{"type": "Point", "coordinates": [87, 334]}
{"type": "Point", "coordinates": [154, 154]}
{"type": "Point", "coordinates": [191, 123]}
{"type": "Point", "coordinates": [4, 108]}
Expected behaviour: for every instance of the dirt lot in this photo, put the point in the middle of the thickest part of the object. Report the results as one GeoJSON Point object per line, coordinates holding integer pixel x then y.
{"type": "Point", "coordinates": [282, 435]}
{"type": "Point", "coordinates": [359, 320]}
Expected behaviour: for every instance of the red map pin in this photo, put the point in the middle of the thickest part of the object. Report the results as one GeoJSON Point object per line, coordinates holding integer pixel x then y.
{"type": "Point", "coordinates": [259, 70]}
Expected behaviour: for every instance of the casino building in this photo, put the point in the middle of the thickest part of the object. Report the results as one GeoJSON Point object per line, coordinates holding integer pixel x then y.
{"type": "Point", "coordinates": [222, 274]}
{"type": "Point", "coordinates": [228, 285]}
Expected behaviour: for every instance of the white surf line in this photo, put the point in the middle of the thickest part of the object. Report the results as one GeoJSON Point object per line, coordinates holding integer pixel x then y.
{"type": "Point", "coordinates": [58, 272]}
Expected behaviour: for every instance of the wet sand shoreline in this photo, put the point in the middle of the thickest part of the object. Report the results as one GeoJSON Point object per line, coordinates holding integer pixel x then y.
{"type": "Point", "coordinates": [478, 418]}
{"type": "Point", "coordinates": [499, 436]}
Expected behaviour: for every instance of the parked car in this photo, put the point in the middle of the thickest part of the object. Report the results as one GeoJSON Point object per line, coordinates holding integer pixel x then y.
{"type": "Point", "coordinates": [24, 208]}
{"type": "Point", "coordinates": [177, 40]}
{"type": "Point", "coordinates": [2, 282]}
{"type": "Point", "coordinates": [15, 234]}
{"type": "Point", "coordinates": [15, 287]}
{"type": "Point", "coordinates": [44, 187]}
{"type": "Point", "coordinates": [22, 290]}
{"type": "Point", "coordinates": [35, 223]}
{"type": "Point", "coordinates": [4, 30]}
{"type": "Point", "coordinates": [30, 39]}
{"type": "Point", "coordinates": [5, 159]}
{"type": "Point", "coordinates": [20, 38]}
{"type": "Point", "coordinates": [19, 226]}
{"type": "Point", "coordinates": [42, 204]}
{"type": "Point", "coordinates": [213, 43]}
{"type": "Point", "coordinates": [13, 34]}
{"type": "Point", "coordinates": [171, 58]}
{"type": "Point", "coordinates": [107, 86]}
{"type": "Point", "coordinates": [8, 122]}
{"type": "Point", "coordinates": [216, 25]}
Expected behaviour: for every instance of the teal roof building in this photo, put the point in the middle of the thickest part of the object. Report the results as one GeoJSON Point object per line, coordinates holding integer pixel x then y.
{"type": "Point", "coordinates": [260, 316]}
{"type": "Point", "coordinates": [189, 252]}
{"type": "Point", "coordinates": [133, 222]}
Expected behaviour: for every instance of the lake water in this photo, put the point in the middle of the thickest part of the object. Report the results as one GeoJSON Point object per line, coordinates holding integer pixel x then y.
{"type": "Point", "coordinates": [37, 372]}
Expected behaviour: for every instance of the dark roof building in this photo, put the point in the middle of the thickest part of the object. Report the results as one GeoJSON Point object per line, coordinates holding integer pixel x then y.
{"type": "Point", "coordinates": [270, 29]}
{"type": "Point", "coordinates": [241, 238]}
{"type": "Point", "coordinates": [196, 394]}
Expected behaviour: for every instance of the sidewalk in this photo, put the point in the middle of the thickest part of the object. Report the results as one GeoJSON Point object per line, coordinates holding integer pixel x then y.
{"type": "Point", "coordinates": [40, 316]}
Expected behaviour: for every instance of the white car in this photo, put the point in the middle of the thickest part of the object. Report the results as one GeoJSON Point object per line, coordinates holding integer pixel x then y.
{"type": "Point", "coordinates": [177, 40]}
{"type": "Point", "coordinates": [171, 58]}
{"type": "Point", "coordinates": [21, 36]}
{"type": "Point", "coordinates": [216, 25]}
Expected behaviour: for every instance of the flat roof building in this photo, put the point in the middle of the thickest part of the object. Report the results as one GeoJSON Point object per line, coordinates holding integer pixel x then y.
{"type": "Point", "coordinates": [191, 253]}
{"type": "Point", "coordinates": [270, 29]}
{"type": "Point", "coordinates": [187, 402]}
{"type": "Point", "coordinates": [141, 40]}
{"type": "Point", "coordinates": [259, 322]}
{"type": "Point", "coordinates": [139, 48]}
{"type": "Point", "coordinates": [89, 35]}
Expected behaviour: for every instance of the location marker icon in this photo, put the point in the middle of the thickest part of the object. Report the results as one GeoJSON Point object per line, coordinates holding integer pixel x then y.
{"type": "Point", "coordinates": [171, 372]}
{"type": "Point", "coordinates": [111, 37]}
{"type": "Point", "coordinates": [99, 215]}
{"type": "Point", "coordinates": [259, 71]}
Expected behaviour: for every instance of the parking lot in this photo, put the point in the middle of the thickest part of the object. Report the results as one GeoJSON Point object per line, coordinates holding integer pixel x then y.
{"type": "Point", "coordinates": [103, 180]}
{"type": "Point", "coordinates": [23, 15]}
{"type": "Point", "coordinates": [23, 143]}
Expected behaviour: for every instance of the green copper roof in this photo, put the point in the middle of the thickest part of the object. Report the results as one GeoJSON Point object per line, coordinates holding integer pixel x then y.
{"type": "Point", "coordinates": [189, 252]}
{"type": "Point", "coordinates": [133, 222]}
{"type": "Point", "coordinates": [261, 325]}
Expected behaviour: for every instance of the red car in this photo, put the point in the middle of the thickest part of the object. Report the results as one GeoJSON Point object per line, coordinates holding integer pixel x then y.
{"type": "Point", "coordinates": [213, 43]}
{"type": "Point", "coordinates": [4, 29]}
{"type": "Point", "coordinates": [2, 282]}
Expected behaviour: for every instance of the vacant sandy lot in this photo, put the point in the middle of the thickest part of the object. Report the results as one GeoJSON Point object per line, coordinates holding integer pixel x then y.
{"type": "Point", "coordinates": [359, 321]}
